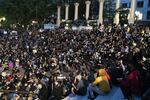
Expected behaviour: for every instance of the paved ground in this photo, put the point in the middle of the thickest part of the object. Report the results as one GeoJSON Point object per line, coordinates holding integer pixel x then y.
{"type": "Point", "coordinates": [115, 94]}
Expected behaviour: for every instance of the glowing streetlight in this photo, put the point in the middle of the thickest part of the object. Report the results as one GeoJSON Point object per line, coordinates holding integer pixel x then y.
{"type": "Point", "coordinates": [2, 19]}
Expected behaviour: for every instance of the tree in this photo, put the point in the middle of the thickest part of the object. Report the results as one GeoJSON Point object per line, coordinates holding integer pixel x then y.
{"type": "Point", "coordinates": [24, 11]}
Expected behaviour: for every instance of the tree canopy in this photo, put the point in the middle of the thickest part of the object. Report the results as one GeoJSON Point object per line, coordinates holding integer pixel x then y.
{"type": "Point", "coordinates": [23, 11]}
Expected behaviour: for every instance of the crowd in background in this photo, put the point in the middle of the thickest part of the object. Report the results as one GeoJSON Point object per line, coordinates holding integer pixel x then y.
{"type": "Point", "coordinates": [54, 63]}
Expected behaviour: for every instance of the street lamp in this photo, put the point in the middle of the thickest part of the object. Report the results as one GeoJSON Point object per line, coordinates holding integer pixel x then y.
{"type": "Point", "coordinates": [2, 19]}
{"type": "Point", "coordinates": [36, 12]}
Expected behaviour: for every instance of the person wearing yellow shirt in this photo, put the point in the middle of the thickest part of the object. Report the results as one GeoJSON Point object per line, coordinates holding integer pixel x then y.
{"type": "Point", "coordinates": [100, 85]}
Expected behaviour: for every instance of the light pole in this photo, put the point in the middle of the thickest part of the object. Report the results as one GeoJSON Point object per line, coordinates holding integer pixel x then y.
{"type": "Point", "coordinates": [36, 9]}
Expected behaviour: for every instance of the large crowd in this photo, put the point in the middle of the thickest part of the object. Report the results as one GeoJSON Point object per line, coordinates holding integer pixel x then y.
{"type": "Point", "coordinates": [55, 63]}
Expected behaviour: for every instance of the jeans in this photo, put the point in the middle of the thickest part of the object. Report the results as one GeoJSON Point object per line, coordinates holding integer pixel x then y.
{"type": "Point", "coordinates": [92, 89]}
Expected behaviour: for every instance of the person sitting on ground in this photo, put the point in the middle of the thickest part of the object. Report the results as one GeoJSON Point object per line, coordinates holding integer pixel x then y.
{"type": "Point", "coordinates": [100, 85]}
{"type": "Point", "coordinates": [81, 87]}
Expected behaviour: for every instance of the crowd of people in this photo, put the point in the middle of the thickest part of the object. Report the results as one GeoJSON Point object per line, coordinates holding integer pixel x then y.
{"type": "Point", "coordinates": [54, 63]}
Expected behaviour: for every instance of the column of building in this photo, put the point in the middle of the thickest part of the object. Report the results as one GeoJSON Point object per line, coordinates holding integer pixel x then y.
{"type": "Point", "coordinates": [58, 15]}
{"type": "Point", "coordinates": [87, 12]}
{"type": "Point", "coordinates": [132, 12]}
{"type": "Point", "coordinates": [76, 11]}
{"type": "Point", "coordinates": [116, 19]}
{"type": "Point", "coordinates": [100, 16]}
{"type": "Point", "coordinates": [66, 12]}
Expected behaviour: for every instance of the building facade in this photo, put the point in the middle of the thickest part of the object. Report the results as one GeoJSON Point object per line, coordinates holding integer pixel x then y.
{"type": "Point", "coordinates": [142, 8]}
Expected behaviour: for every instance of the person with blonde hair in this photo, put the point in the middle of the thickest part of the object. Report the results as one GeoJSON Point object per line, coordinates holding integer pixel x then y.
{"type": "Point", "coordinates": [100, 85]}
